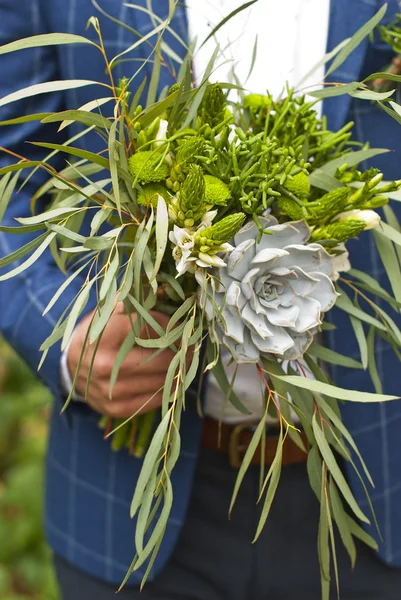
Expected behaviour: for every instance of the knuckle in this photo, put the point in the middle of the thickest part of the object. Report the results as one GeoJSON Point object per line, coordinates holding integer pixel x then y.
{"type": "Point", "coordinates": [103, 364]}
{"type": "Point", "coordinates": [112, 410]}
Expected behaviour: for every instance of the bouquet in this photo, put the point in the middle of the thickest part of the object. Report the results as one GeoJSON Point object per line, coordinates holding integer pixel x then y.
{"type": "Point", "coordinates": [232, 216]}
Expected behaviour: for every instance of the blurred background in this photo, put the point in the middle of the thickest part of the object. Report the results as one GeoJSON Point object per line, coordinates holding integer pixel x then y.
{"type": "Point", "coordinates": [25, 559]}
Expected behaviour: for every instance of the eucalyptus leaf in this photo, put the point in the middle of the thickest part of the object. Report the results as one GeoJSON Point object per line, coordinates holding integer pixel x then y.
{"type": "Point", "coordinates": [356, 39]}
{"type": "Point", "coordinates": [43, 40]}
{"type": "Point", "coordinates": [330, 356]}
{"type": "Point", "coordinates": [335, 471]}
{"type": "Point", "coordinates": [45, 239]}
{"type": "Point", "coordinates": [6, 191]}
{"type": "Point", "coordinates": [89, 156]}
{"type": "Point", "coordinates": [333, 391]}
{"type": "Point", "coordinates": [390, 262]}
{"type": "Point", "coordinates": [352, 159]}
{"type": "Point", "coordinates": [151, 458]}
{"type": "Point", "coordinates": [78, 116]}
{"type": "Point", "coordinates": [324, 181]}
{"type": "Point", "coordinates": [46, 88]}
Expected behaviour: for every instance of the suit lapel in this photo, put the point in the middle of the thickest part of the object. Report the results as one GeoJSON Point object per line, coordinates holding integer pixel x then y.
{"type": "Point", "coordinates": [346, 17]}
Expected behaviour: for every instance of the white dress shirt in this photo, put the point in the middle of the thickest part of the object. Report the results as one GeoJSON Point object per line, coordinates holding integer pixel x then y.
{"type": "Point", "coordinates": [292, 38]}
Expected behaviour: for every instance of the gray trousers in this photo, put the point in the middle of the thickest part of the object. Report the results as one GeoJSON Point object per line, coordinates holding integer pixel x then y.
{"type": "Point", "coordinates": [215, 560]}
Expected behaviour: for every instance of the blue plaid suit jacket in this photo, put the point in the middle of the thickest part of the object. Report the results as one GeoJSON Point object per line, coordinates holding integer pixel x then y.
{"type": "Point", "coordinates": [89, 487]}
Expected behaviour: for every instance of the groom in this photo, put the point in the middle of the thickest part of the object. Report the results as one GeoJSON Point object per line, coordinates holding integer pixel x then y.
{"type": "Point", "coordinates": [204, 556]}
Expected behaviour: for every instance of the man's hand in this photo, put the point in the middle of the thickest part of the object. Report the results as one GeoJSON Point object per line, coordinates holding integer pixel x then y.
{"type": "Point", "coordinates": [136, 382]}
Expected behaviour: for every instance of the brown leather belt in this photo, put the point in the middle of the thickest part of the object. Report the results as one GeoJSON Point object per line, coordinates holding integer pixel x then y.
{"type": "Point", "coordinates": [235, 439]}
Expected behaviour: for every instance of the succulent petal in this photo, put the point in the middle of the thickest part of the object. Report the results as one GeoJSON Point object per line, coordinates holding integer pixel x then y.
{"type": "Point", "coordinates": [240, 259]}
{"type": "Point", "coordinates": [276, 291]}
{"type": "Point", "coordinates": [277, 343]}
{"type": "Point", "coordinates": [296, 232]}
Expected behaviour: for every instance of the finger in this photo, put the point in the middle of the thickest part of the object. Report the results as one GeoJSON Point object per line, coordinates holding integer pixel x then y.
{"type": "Point", "coordinates": [144, 361]}
{"type": "Point", "coordinates": [138, 404]}
{"type": "Point", "coordinates": [127, 389]}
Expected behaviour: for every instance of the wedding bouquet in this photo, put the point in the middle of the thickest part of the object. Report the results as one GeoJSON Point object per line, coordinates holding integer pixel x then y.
{"type": "Point", "coordinates": [232, 216]}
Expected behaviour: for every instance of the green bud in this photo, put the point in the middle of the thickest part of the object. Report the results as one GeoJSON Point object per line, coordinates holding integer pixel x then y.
{"type": "Point", "coordinates": [146, 168]}
{"type": "Point", "coordinates": [192, 195]}
{"type": "Point", "coordinates": [219, 233]}
{"type": "Point", "coordinates": [216, 191]}
{"type": "Point", "coordinates": [141, 140]}
{"type": "Point", "coordinates": [299, 185]}
{"type": "Point", "coordinates": [376, 202]}
{"type": "Point", "coordinates": [375, 181]}
{"type": "Point", "coordinates": [153, 128]}
{"type": "Point", "coordinates": [291, 209]}
{"type": "Point", "coordinates": [213, 105]}
{"type": "Point", "coordinates": [191, 148]}
{"type": "Point", "coordinates": [173, 88]}
{"type": "Point", "coordinates": [331, 204]}
{"type": "Point", "coordinates": [341, 231]}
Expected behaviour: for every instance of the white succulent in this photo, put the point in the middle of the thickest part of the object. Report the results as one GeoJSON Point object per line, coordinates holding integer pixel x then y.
{"type": "Point", "coordinates": [341, 261]}
{"type": "Point", "coordinates": [273, 292]}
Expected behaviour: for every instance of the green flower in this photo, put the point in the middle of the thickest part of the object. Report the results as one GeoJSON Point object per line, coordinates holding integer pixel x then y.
{"type": "Point", "coordinates": [146, 167]}
{"type": "Point", "coordinates": [291, 209]}
{"type": "Point", "coordinates": [216, 191]}
{"type": "Point", "coordinates": [150, 192]}
{"type": "Point", "coordinates": [256, 101]}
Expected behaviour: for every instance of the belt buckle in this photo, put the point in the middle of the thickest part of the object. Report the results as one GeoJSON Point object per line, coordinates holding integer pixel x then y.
{"type": "Point", "coordinates": [236, 451]}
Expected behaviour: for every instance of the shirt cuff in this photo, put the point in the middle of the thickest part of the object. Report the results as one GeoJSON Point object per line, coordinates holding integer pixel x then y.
{"type": "Point", "coordinates": [66, 379]}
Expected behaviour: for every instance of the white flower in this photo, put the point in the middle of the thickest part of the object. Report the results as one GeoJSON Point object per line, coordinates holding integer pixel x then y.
{"type": "Point", "coordinates": [188, 260]}
{"type": "Point", "coordinates": [183, 241]}
{"type": "Point", "coordinates": [370, 217]}
{"type": "Point", "coordinates": [207, 219]}
{"type": "Point", "coordinates": [161, 133]}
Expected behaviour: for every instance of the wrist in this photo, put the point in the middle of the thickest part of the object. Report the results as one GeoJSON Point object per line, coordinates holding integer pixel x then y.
{"type": "Point", "coordinates": [67, 376]}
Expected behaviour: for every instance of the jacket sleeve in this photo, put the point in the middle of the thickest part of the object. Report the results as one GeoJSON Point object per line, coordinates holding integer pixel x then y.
{"type": "Point", "coordinates": [24, 297]}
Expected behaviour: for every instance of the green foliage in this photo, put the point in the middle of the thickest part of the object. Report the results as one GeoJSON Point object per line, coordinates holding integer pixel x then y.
{"type": "Point", "coordinates": [25, 560]}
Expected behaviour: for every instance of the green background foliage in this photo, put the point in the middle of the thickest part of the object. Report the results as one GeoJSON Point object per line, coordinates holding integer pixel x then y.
{"type": "Point", "coordinates": [25, 559]}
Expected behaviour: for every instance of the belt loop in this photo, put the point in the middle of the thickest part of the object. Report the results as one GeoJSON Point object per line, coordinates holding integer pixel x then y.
{"type": "Point", "coordinates": [234, 447]}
